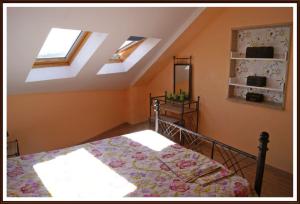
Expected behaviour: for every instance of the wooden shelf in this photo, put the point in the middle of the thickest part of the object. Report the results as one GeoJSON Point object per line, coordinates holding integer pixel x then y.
{"type": "Point", "coordinates": [242, 56]}
{"type": "Point", "coordinates": [264, 104]}
{"type": "Point", "coordinates": [256, 87]}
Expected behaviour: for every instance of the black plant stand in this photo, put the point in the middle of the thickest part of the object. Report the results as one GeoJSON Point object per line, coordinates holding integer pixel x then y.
{"type": "Point", "coordinates": [174, 111]}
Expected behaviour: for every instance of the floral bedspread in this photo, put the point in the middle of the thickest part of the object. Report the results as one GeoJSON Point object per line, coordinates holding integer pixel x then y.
{"type": "Point", "coordinates": [123, 166]}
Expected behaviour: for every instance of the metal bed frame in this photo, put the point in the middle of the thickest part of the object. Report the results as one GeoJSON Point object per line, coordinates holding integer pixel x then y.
{"type": "Point", "coordinates": [233, 158]}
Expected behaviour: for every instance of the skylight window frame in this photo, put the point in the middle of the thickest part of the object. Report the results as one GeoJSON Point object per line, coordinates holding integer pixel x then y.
{"type": "Point", "coordinates": [68, 59]}
{"type": "Point", "coordinates": [134, 44]}
{"type": "Point", "coordinates": [131, 43]}
{"type": "Point", "coordinates": [70, 48]}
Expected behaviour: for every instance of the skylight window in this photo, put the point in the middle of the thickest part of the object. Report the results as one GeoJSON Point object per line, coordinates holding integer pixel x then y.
{"type": "Point", "coordinates": [127, 42]}
{"type": "Point", "coordinates": [128, 55]}
{"type": "Point", "coordinates": [58, 43]}
{"type": "Point", "coordinates": [87, 44]}
{"type": "Point", "coordinates": [60, 47]}
{"type": "Point", "coordinates": [126, 49]}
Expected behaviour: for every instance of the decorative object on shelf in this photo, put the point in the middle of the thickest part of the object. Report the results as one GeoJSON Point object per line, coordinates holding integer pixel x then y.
{"type": "Point", "coordinates": [174, 97]}
{"type": "Point", "coordinates": [181, 97]}
{"type": "Point", "coordinates": [183, 76]}
{"type": "Point", "coordinates": [259, 63]}
{"type": "Point", "coordinates": [260, 52]}
{"type": "Point", "coordinates": [260, 81]}
{"type": "Point", "coordinates": [255, 97]}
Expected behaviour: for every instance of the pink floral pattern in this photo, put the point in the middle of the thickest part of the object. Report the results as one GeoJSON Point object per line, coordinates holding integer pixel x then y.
{"type": "Point", "coordinates": [116, 163]}
{"type": "Point", "coordinates": [223, 172]}
{"type": "Point", "coordinates": [15, 171]}
{"type": "Point", "coordinates": [164, 167]}
{"type": "Point", "coordinates": [30, 187]}
{"type": "Point", "coordinates": [137, 175]}
{"type": "Point", "coordinates": [185, 164]}
{"type": "Point", "coordinates": [179, 186]}
{"type": "Point", "coordinates": [240, 190]}
{"type": "Point", "coordinates": [138, 164]}
{"type": "Point", "coordinates": [134, 144]}
{"type": "Point", "coordinates": [139, 156]}
{"type": "Point", "coordinates": [195, 156]}
{"type": "Point", "coordinates": [160, 179]}
{"type": "Point", "coordinates": [169, 155]}
{"type": "Point", "coordinates": [96, 153]}
{"type": "Point", "coordinates": [176, 146]}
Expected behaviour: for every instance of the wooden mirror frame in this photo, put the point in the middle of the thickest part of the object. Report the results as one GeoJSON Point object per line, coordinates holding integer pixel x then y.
{"type": "Point", "coordinates": [187, 62]}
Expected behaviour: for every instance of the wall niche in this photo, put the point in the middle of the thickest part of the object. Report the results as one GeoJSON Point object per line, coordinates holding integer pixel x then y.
{"type": "Point", "coordinates": [274, 69]}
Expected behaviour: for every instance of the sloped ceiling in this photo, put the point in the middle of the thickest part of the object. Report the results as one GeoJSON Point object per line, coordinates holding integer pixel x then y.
{"type": "Point", "coordinates": [27, 28]}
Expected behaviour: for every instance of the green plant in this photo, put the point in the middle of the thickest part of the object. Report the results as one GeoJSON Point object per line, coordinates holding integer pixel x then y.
{"type": "Point", "coordinates": [174, 97]}
{"type": "Point", "coordinates": [181, 97]}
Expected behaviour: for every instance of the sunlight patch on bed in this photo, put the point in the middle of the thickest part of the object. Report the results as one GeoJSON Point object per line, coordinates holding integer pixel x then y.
{"type": "Point", "coordinates": [150, 139]}
{"type": "Point", "coordinates": [80, 175]}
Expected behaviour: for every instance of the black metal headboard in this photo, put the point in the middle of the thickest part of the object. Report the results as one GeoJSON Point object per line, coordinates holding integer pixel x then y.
{"type": "Point", "coordinates": [233, 158]}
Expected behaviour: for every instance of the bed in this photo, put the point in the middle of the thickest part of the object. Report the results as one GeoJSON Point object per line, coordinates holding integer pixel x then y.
{"type": "Point", "coordinates": [167, 162]}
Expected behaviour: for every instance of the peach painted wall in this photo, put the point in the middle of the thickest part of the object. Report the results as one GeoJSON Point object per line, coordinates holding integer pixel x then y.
{"type": "Point", "coordinates": [49, 121]}
{"type": "Point", "coordinates": [232, 123]}
{"type": "Point", "coordinates": [138, 106]}
{"type": "Point", "coordinates": [43, 122]}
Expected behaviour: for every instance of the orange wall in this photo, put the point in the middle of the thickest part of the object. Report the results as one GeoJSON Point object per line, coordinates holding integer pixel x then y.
{"type": "Point", "coordinates": [50, 121]}
{"type": "Point", "coordinates": [233, 123]}
{"type": "Point", "coordinates": [138, 104]}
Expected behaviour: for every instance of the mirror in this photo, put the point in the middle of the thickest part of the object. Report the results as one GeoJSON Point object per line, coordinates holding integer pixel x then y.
{"type": "Point", "coordinates": [182, 78]}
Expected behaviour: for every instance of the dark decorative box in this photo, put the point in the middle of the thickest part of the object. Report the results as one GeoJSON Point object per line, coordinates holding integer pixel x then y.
{"type": "Point", "coordinates": [260, 81]}
{"type": "Point", "coordinates": [255, 97]}
{"type": "Point", "coordinates": [259, 52]}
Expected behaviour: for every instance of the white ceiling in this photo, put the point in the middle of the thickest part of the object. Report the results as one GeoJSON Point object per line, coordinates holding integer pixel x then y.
{"type": "Point", "coordinates": [27, 29]}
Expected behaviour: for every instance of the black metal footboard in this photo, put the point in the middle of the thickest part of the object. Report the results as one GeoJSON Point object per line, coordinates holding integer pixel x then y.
{"type": "Point", "coordinates": [242, 163]}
